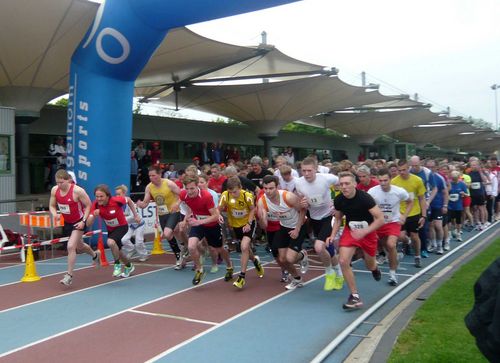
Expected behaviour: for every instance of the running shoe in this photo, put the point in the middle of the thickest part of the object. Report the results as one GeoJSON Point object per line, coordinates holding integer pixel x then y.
{"type": "Point", "coordinates": [258, 266]}
{"type": "Point", "coordinates": [240, 282]}
{"type": "Point", "coordinates": [143, 258]}
{"type": "Point", "coordinates": [431, 248]}
{"type": "Point", "coordinates": [439, 250]}
{"type": "Point", "coordinates": [304, 263]}
{"type": "Point", "coordinates": [67, 279]}
{"type": "Point", "coordinates": [229, 274]}
{"type": "Point", "coordinates": [285, 276]}
{"type": "Point", "coordinates": [424, 254]}
{"type": "Point", "coordinates": [454, 233]}
{"type": "Point", "coordinates": [97, 259]}
{"type": "Point", "coordinates": [198, 276]}
{"type": "Point", "coordinates": [214, 269]}
{"type": "Point", "coordinates": [128, 270]}
{"type": "Point", "coordinates": [294, 284]}
{"type": "Point", "coordinates": [380, 258]}
{"type": "Point", "coordinates": [393, 280]}
{"type": "Point", "coordinates": [418, 262]}
{"type": "Point", "coordinates": [353, 302]}
{"type": "Point", "coordinates": [401, 255]}
{"type": "Point", "coordinates": [339, 282]}
{"type": "Point", "coordinates": [446, 246]}
{"type": "Point", "coordinates": [377, 275]}
{"type": "Point", "coordinates": [117, 270]}
{"type": "Point", "coordinates": [330, 281]}
{"type": "Point", "coordinates": [459, 238]}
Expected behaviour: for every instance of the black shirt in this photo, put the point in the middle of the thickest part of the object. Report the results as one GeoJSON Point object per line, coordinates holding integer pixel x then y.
{"type": "Point", "coordinates": [245, 183]}
{"type": "Point", "coordinates": [356, 208]}
{"type": "Point", "coordinates": [257, 178]}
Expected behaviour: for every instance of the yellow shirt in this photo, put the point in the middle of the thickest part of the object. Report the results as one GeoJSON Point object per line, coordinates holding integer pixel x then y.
{"type": "Point", "coordinates": [238, 209]}
{"type": "Point", "coordinates": [415, 187]}
{"type": "Point", "coordinates": [163, 197]}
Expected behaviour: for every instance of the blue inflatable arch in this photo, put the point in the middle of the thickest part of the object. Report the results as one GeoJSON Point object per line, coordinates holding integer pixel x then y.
{"type": "Point", "coordinates": [122, 39]}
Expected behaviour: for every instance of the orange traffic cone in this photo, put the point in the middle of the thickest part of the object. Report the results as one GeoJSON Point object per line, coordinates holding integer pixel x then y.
{"type": "Point", "coordinates": [100, 247]}
{"type": "Point", "coordinates": [30, 274]}
{"type": "Point", "coordinates": [157, 246]}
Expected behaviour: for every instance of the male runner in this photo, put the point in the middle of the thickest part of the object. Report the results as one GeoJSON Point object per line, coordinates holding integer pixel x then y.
{"type": "Point", "coordinates": [363, 218]}
{"type": "Point", "coordinates": [240, 209]}
{"type": "Point", "coordinates": [314, 190]}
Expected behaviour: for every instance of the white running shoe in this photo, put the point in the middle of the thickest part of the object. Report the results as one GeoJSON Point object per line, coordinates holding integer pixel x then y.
{"type": "Point", "coordinates": [294, 284]}
{"type": "Point", "coordinates": [304, 263]}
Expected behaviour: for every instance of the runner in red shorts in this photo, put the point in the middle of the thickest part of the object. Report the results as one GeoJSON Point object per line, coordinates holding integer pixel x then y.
{"type": "Point", "coordinates": [389, 197]}
{"type": "Point", "coordinates": [363, 218]}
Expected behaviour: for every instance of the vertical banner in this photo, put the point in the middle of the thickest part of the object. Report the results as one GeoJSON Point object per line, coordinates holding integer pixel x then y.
{"type": "Point", "coordinates": [104, 67]}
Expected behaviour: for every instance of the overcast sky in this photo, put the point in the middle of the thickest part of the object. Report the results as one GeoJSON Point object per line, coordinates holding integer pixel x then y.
{"type": "Point", "coordinates": [447, 51]}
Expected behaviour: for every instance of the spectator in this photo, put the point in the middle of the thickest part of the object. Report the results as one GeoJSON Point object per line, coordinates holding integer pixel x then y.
{"type": "Point", "coordinates": [204, 154]}
{"type": "Point", "coordinates": [217, 153]}
{"type": "Point", "coordinates": [289, 155]}
{"type": "Point", "coordinates": [134, 170]}
{"type": "Point", "coordinates": [58, 161]}
{"type": "Point", "coordinates": [235, 154]}
{"type": "Point", "coordinates": [156, 153]}
{"type": "Point", "coordinates": [140, 152]}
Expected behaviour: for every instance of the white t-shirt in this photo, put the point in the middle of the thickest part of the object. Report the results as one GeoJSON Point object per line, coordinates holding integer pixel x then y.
{"type": "Point", "coordinates": [317, 194]}
{"type": "Point", "coordinates": [389, 202]}
{"type": "Point", "coordinates": [323, 169]}
{"type": "Point", "coordinates": [290, 185]}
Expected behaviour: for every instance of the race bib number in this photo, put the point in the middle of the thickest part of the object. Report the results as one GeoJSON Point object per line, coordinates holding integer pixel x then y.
{"type": "Point", "coordinates": [387, 216]}
{"type": "Point", "coordinates": [476, 185]}
{"type": "Point", "coordinates": [238, 213]}
{"type": "Point", "coordinates": [316, 200]}
{"type": "Point", "coordinates": [358, 224]}
{"type": "Point", "coordinates": [272, 217]}
{"type": "Point", "coordinates": [454, 197]}
{"type": "Point", "coordinates": [200, 218]}
{"type": "Point", "coordinates": [64, 208]}
{"type": "Point", "coordinates": [162, 209]}
{"type": "Point", "coordinates": [412, 195]}
{"type": "Point", "coordinates": [112, 222]}
{"type": "Point", "coordinates": [284, 216]}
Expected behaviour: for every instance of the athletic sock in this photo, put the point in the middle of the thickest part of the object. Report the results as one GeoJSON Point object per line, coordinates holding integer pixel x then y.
{"type": "Point", "coordinates": [175, 247]}
{"type": "Point", "coordinates": [337, 269]}
{"type": "Point", "coordinates": [117, 262]}
{"type": "Point", "coordinates": [329, 270]}
{"type": "Point", "coordinates": [242, 274]}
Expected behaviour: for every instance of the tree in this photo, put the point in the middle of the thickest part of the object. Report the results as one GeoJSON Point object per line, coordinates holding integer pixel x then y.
{"type": "Point", "coordinates": [62, 102]}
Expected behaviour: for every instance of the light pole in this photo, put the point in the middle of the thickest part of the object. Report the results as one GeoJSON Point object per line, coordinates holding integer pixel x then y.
{"type": "Point", "coordinates": [494, 88]}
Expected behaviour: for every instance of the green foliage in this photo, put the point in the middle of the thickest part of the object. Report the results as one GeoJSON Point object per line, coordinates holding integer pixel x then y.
{"type": "Point", "coordinates": [480, 123]}
{"type": "Point", "coordinates": [62, 102]}
{"type": "Point", "coordinates": [297, 127]}
{"type": "Point", "coordinates": [228, 121]}
{"type": "Point", "coordinates": [437, 332]}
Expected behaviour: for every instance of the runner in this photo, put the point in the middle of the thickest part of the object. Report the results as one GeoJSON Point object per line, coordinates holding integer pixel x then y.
{"type": "Point", "coordinates": [363, 218]}
{"type": "Point", "coordinates": [418, 213]}
{"type": "Point", "coordinates": [203, 219]}
{"type": "Point", "coordinates": [74, 204]}
{"type": "Point", "coordinates": [138, 248]}
{"type": "Point", "coordinates": [458, 191]}
{"type": "Point", "coordinates": [438, 204]}
{"type": "Point", "coordinates": [389, 197]}
{"type": "Point", "coordinates": [110, 209]}
{"type": "Point", "coordinates": [366, 182]}
{"type": "Point", "coordinates": [240, 209]}
{"type": "Point", "coordinates": [165, 193]}
{"type": "Point", "coordinates": [314, 190]}
{"type": "Point", "coordinates": [289, 238]}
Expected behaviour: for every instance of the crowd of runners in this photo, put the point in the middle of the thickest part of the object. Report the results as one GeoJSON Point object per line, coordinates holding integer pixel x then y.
{"type": "Point", "coordinates": [373, 210]}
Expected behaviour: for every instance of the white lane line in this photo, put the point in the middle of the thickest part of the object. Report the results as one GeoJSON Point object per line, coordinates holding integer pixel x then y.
{"type": "Point", "coordinates": [52, 274]}
{"type": "Point", "coordinates": [107, 316]}
{"type": "Point", "coordinates": [183, 318]}
{"type": "Point", "coordinates": [208, 331]}
{"type": "Point", "coordinates": [77, 291]}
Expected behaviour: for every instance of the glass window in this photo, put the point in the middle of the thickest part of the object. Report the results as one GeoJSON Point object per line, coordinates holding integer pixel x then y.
{"type": "Point", "coordinates": [5, 166]}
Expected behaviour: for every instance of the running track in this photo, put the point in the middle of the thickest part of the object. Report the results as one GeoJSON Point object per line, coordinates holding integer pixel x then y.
{"type": "Point", "coordinates": [158, 315]}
